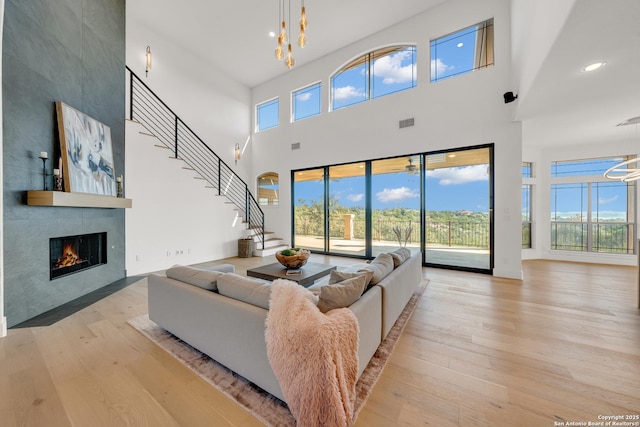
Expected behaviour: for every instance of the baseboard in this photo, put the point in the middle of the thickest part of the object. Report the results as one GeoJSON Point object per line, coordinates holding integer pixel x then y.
{"type": "Point", "coordinates": [3, 326]}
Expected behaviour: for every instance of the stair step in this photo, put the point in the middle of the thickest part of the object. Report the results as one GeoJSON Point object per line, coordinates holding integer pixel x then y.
{"type": "Point", "coordinates": [132, 121]}
{"type": "Point", "coordinates": [158, 145]}
{"type": "Point", "coordinates": [268, 251]}
{"type": "Point", "coordinates": [147, 134]}
{"type": "Point", "coordinates": [270, 243]}
{"type": "Point", "coordinates": [198, 177]}
{"type": "Point", "coordinates": [188, 168]}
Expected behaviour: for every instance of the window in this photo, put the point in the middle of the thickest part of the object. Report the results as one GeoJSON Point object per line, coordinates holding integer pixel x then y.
{"type": "Point", "coordinates": [268, 189]}
{"type": "Point", "coordinates": [306, 102]}
{"type": "Point", "coordinates": [374, 74]}
{"type": "Point", "coordinates": [526, 216]}
{"type": "Point", "coordinates": [588, 212]}
{"type": "Point", "coordinates": [267, 115]}
{"type": "Point", "coordinates": [467, 50]}
{"type": "Point", "coordinates": [527, 172]}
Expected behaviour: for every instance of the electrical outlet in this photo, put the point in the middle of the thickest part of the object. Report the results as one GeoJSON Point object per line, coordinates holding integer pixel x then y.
{"type": "Point", "coordinates": [138, 258]}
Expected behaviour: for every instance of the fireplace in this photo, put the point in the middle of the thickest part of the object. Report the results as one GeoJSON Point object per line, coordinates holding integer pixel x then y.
{"type": "Point", "coordinates": [72, 254]}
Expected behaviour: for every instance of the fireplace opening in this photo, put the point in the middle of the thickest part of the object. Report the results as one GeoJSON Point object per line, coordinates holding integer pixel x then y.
{"type": "Point", "coordinates": [71, 254]}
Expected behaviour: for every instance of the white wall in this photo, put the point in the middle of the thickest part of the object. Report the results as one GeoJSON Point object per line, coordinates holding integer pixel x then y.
{"type": "Point", "coordinates": [542, 157]}
{"type": "Point", "coordinates": [463, 111]}
{"type": "Point", "coordinates": [172, 211]}
{"type": "Point", "coordinates": [538, 24]}
{"type": "Point", "coordinates": [174, 218]}
{"type": "Point", "coordinates": [215, 106]}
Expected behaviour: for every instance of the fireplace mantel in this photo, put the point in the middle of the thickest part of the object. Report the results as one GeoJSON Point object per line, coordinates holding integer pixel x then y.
{"type": "Point", "coordinates": [77, 200]}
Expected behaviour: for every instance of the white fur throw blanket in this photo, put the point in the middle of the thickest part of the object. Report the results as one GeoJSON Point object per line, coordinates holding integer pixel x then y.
{"type": "Point", "coordinates": [313, 355]}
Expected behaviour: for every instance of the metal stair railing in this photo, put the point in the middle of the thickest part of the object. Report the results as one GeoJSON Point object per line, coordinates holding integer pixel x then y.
{"type": "Point", "coordinates": [156, 117]}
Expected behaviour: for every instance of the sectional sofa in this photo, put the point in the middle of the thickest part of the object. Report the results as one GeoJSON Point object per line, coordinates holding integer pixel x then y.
{"type": "Point", "coordinates": [223, 314]}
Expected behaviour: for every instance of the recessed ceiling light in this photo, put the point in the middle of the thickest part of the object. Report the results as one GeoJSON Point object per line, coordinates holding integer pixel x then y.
{"type": "Point", "coordinates": [593, 66]}
{"type": "Point", "coordinates": [460, 44]}
{"type": "Point", "coordinates": [451, 156]}
{"type": "Point", "coordinates": [272, 34]}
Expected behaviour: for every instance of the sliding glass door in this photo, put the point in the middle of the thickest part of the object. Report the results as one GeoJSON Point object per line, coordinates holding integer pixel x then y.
{"type": "Point", "coordinates": [347, 189]}
{"type": "Point", "coordinates": [309, 209]}
{"type": "Point", "coordinates": [395, 200]}
{"type": "Point", "coordinates": [458, 209]}
{"type": "Point", "coordinates": [439, 203]}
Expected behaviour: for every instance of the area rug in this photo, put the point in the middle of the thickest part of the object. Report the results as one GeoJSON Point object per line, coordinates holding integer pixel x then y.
{"type": "Point", "coordinates": [270, 410]}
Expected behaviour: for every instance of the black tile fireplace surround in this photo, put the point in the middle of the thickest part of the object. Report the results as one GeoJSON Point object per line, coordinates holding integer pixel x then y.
{"type": "Point", "coordinates": [71, 254]}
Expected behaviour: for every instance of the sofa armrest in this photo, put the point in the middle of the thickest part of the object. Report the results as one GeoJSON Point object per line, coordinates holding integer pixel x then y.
{"type": "Point", "coordinates": [368, 311]}
{"type": "Point", "coordinates": [397, 288]}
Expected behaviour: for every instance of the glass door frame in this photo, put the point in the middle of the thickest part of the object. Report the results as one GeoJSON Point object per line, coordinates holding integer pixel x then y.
{"type": "Point", "coordinates": [423, 197]}
{"type": "Point", "coordinates": [423, 210]}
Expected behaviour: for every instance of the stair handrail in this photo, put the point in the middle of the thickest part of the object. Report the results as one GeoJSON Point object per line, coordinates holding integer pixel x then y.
{"type": "Point", "coordinates": [253, 214]}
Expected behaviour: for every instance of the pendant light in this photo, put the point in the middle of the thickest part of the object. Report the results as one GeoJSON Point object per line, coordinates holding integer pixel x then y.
{"type": "Point", "coordinates": [289, 61]}
{"type": "Point", "coordinates": [279, 53]}
{"type": "Point", "coordinates": [284, 39]}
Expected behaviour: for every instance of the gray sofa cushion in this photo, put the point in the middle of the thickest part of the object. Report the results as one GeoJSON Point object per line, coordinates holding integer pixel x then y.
{"type": "Point", "coordinates": [338, 276]}
{"type": "Point", "coordinates": [399, 256]}
{"type": "Point", "coordinates": [341, 294]}
{"type": "Point", "coordinates": [205, 279]}
{"type": "Point", "coordinates": [247, 289]}
{"type": "Point", "coordinates": [380, 267]}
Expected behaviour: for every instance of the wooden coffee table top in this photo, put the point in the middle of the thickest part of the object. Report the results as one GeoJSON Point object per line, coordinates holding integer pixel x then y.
{"type": "Point", "coordinates": [310, 272]}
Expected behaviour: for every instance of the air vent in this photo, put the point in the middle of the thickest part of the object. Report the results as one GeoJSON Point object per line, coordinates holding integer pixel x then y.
{"type": "Point", "coordinates": [295, 146]}
{"type": "Point", "coordinates": [406, 123]}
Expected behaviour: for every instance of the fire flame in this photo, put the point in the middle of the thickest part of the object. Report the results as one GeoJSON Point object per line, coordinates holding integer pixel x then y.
{"type": "Point", "coordinates": [69, 257]}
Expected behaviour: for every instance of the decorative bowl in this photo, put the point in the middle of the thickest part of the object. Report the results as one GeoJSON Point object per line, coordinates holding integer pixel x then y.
{"type": "Point", "coordinates": [293, 258]}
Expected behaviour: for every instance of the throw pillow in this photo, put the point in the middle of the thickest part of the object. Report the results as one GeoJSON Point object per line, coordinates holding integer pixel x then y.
{"type": "Point", "coordinates": [399, 256]}
{"type": "Point", "coordinates": [381, 266]}
{"type": "Point", "coordinates": [204, 279]}
{"type": "Point", "coordinates": [339, 276]}
{"type": "Point", "coordinates": [341, 294]}
{"type": "Point", "coordinates": [246, 289]}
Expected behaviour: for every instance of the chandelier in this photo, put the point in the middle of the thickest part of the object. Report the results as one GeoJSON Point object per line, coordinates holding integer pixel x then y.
{"type": "Point", "coordinates": [622, 171]}
{"type": "Point", "coordinates": [283, 36]}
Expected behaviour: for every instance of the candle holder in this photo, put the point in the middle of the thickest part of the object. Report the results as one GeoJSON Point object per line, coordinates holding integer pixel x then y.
{"type": "Point", "coordinates": [44, 158]}
{"type": "Point", "coordinates": [57, 183]}
{"type": "Point", "coordinates": [119, 188]}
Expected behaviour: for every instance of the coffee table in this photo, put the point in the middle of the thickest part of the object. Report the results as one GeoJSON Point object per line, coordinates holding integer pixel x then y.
{"type": "Point", "coordinates": [309, 273]}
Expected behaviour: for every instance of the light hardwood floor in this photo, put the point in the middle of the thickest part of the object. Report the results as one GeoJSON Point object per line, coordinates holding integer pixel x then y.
{"type": "Point", "coordinates": [563, 345]}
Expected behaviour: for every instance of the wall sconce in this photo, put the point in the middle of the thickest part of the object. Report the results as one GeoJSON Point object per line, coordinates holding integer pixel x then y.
{"type": "Point", "coordinates": [236, 152]}
{"type": "Point", "coordinates": [148, 61]}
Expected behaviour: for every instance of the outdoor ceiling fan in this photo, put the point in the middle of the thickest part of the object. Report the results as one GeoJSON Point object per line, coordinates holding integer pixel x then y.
{"type": "Point", "coordinates": [411, 168]}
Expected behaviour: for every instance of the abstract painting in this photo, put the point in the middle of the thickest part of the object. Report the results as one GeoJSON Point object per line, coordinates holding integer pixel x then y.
{"type": "Point", "coordinates": [87, 153]}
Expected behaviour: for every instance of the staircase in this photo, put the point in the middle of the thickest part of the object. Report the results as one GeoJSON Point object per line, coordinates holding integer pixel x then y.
{"type": "Point", "coordinates": [272, 244]}
{"type": "Point", "coordinates": [147, 109]}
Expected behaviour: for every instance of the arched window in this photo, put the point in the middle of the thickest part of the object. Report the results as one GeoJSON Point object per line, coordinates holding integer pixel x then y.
{"type": "Point", "coordinates": [268, 189]}
{"type": "Point", "coordinates": [377, 73]}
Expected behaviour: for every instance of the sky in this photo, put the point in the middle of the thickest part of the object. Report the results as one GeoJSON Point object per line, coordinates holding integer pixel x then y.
{"type": "Point", "coordinates": [451, 189]}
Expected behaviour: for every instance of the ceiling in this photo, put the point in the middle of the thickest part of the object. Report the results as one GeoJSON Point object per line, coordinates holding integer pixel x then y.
{"type": "Point", "coordinates": [567, 106]}
{"type": "Point", "coordinates": [563, 105]}
{"type": "Point", "coordinates": [236, 33]}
